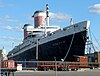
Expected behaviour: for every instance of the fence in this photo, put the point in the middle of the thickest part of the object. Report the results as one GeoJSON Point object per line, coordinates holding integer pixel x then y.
{"type": "Point", "coordinates": [45, 65]}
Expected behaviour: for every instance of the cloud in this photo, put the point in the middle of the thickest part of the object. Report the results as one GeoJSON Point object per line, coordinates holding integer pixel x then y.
{"type": "Point", "coordinates": [11, 28]}
{"type": "Point", "coordinates": [14, 21]}
{"type": "Point", "coordinates": [5, 21]}
{"type": "Point", "coordinates": [6, 38]}
{"type": "Point", "coordinates": [1, 21]}
{"type": "Point", "coordinates": [18, 29]}
{"type": "Point", "coordinates": [95, 9]}
{"type": "Point", "coordinates": [7, 17]}
{"type": "Point", "coordinates": [6, 27]}
{"type": "Point", "coordinates": [1, 4]}
{"type": "Point", "coordinates": [60, 17]}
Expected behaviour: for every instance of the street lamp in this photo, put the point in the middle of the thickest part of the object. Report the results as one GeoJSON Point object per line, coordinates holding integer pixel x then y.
{"type": "Point", "coordinates": [55, 66]}
{"type": "Point", "coordinates": [0, 66]}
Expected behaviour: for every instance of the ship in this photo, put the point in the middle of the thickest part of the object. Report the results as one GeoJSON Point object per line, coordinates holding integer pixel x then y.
{"type": "Point", "coordinates": [43, 42]}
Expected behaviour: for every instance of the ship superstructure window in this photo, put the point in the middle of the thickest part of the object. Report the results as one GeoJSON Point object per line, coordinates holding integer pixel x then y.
{"type": "Point", "coordinates": [31, 36]}
{"type": "Point", "coordinates": [50, 27]}
{"type": "Point", "coordinates": [37, 31]}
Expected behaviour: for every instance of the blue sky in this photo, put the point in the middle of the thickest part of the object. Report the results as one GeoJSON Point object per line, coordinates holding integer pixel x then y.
{"type": "Point", "coordinates": [15, 13]}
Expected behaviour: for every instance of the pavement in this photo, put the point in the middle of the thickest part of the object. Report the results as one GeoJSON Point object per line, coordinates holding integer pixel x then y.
{"type": "Point", "coordinates": [58, 73]}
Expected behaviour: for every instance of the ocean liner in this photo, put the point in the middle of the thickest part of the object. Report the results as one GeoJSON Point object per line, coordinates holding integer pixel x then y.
{"type": "Point", "coordinates": [43, 42]}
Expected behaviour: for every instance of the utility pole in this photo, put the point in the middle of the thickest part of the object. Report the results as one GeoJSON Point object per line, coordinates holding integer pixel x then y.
{"type": "Point", "coordinates": [37, 49]}
{"type": "Point", "coordinates": [0, 66]}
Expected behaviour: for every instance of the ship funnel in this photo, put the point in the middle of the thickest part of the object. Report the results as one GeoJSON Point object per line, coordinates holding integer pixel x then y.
{"type": "Point", "coordinates": [39, 18]}
{"type": "Point", "coordinates": [28, 28]}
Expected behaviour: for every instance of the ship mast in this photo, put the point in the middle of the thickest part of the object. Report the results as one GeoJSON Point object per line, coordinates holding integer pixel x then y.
{"type": "Point", "coordinates": [47, 24]}
{"type": "Point", "coordinates": [47, 15]}
{"type": "Point", "coordinates": [46, 20]}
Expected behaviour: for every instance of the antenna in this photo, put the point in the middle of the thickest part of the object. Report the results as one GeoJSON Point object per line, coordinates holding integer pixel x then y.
{"type": "Point", "coordinates": [71, 21]}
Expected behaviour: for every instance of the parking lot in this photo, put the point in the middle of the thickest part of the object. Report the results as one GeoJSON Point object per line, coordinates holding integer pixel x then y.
{"type": "Point", "coordinates": [58, 73]}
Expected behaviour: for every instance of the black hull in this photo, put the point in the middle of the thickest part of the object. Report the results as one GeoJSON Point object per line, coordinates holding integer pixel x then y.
{"type": "Point", "coordinates": [57, 48]}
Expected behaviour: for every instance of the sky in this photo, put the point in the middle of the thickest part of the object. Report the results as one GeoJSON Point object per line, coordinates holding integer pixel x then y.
{"type": "Point", "coordinates": [15, 13]}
